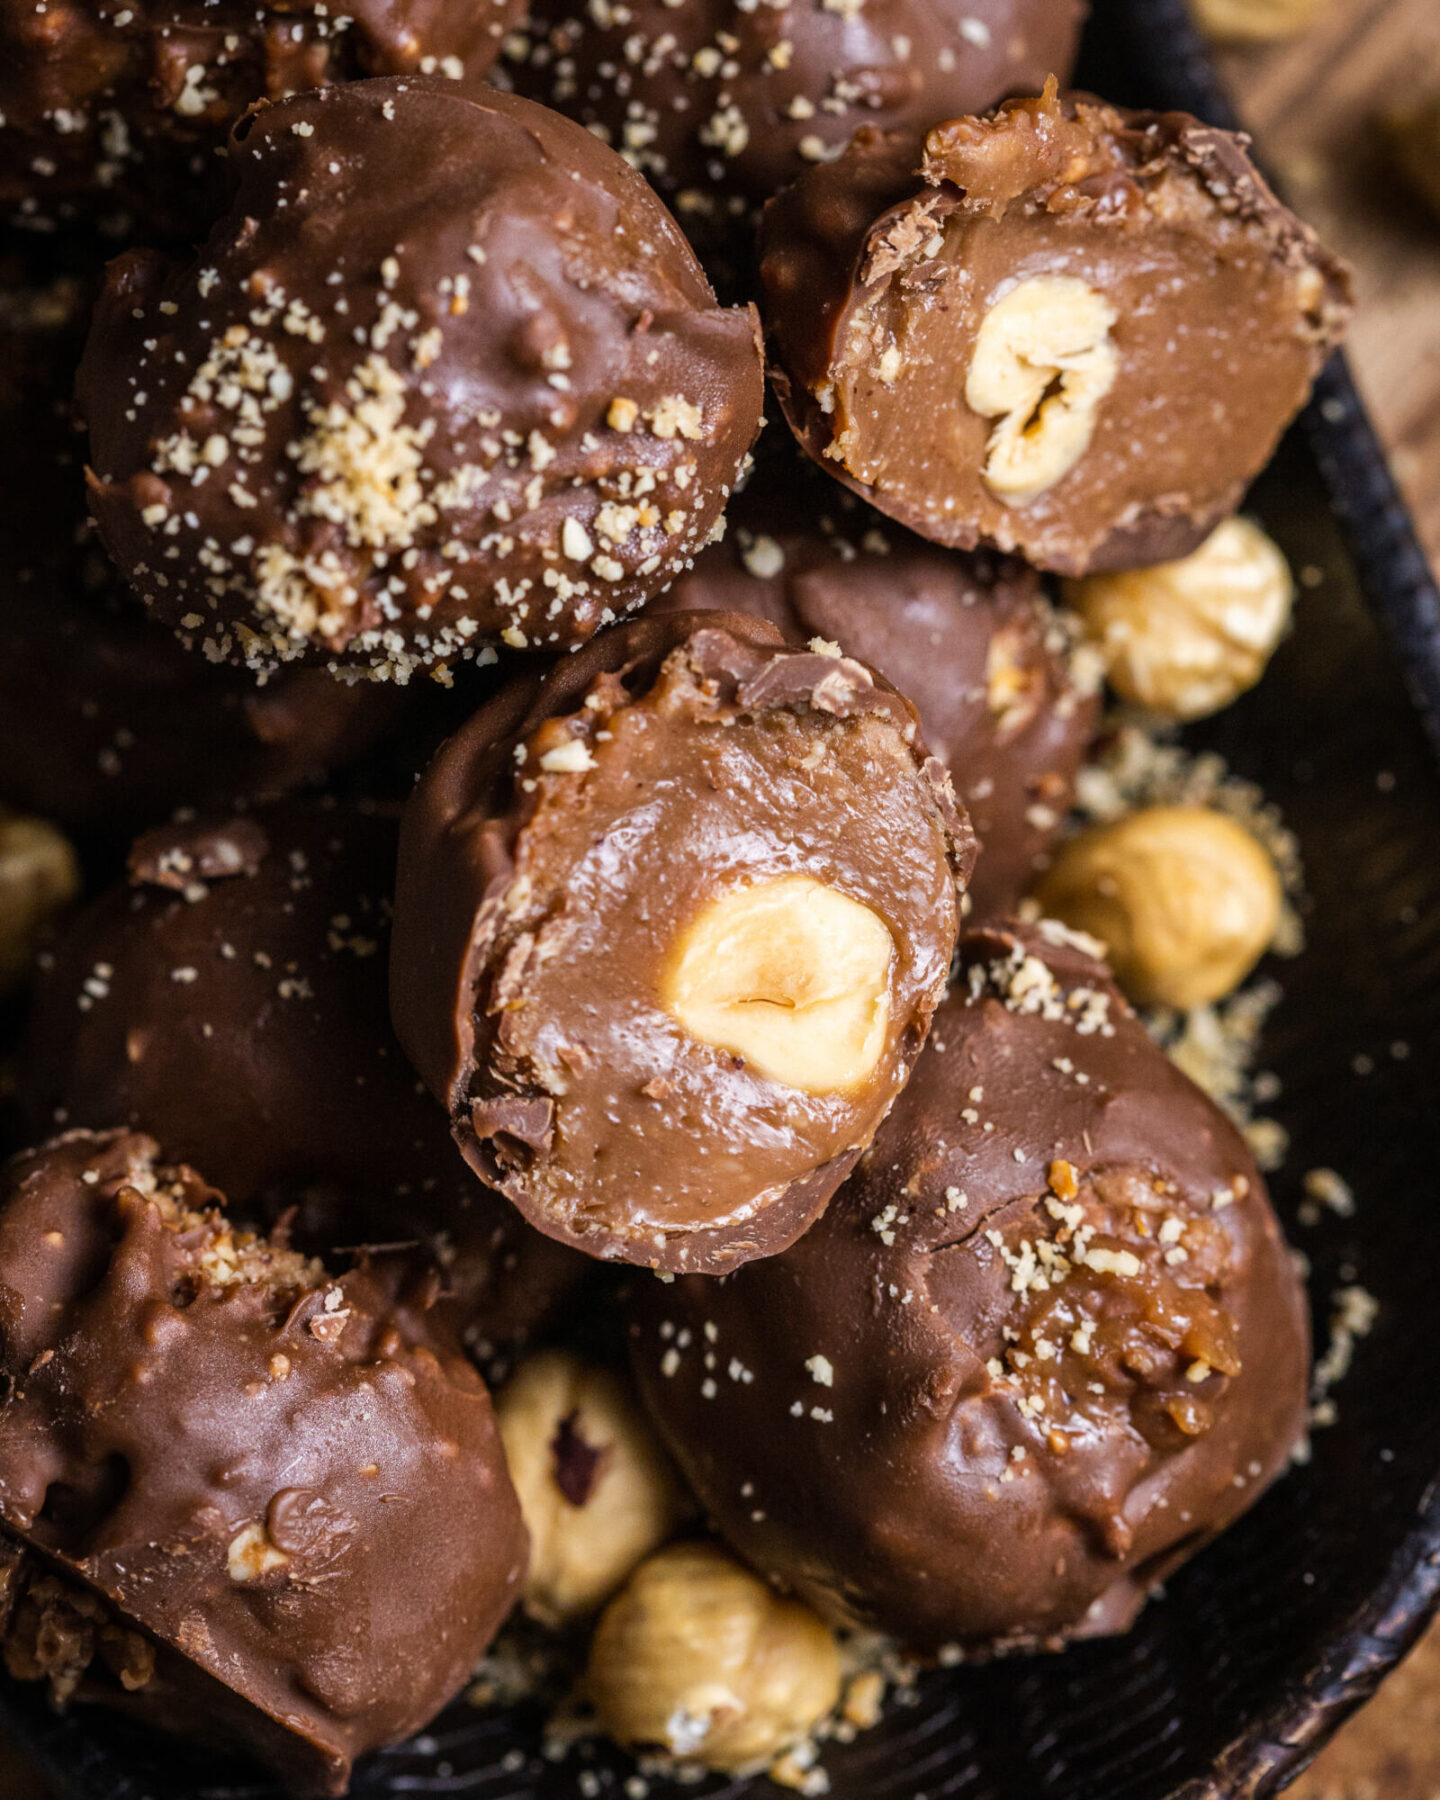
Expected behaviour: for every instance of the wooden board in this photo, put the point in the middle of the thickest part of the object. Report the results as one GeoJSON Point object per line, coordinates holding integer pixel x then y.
{"type": "Point", "coordinates": [1311, 104]}
{"type": "Point", "coordinates": [1391, 1749]}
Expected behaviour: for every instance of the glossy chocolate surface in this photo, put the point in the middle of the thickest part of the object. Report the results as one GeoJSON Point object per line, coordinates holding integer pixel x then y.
{"type": "Point", "coordinates": [106, 723]}
{"type": "Point", "coordinates": [1045, 1343]}
{"type": "Point", "coordinates": [118, 113]}
{"type": "Point", "coordinates": [231, 998]}
{"type": "Point", "coordinates": [446, 374]}
{"type": "Point", "coordinates": [720, 103]}
{"type": "Point", "coordinates": [291, 1495]}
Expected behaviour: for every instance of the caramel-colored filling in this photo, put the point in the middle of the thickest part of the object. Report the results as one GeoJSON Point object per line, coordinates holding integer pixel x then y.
{"type": "Point", "coordinates": [1121, 1308]}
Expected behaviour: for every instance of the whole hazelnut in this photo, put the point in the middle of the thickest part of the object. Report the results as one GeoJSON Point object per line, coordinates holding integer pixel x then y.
{"type": "Point", "coordinates": [1254, 21]}
{"type": "Point", "coordinates": [1186, 638]}
{"type": "Point", "coordinates": [596, 1487]}
{"type": "Point", "coordinates": [699, 1658]}
{"type": "Point", "coordinates": [39, 874]}
{"type": "Point", "coordinates": [1184, 899]}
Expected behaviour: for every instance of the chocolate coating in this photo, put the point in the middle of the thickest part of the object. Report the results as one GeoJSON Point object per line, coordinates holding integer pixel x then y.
{"type": "Point", "coordinates": [1045, 1343]}
{"type": "Point", "coordinates": [106, 723]}
{"type": "Point", "coordinates": [970, 642]}
{"type": "Point", "coordinates": [294, 1499]}
{"type": "Point", "coordinates": [882, 269]}
{"type": "Point", "coordinates": [446, 373]}
{"type": "Point", "coordinates": [121, 112]}
{"type": "Point", "coordinates": [720, 102]}
{"type": "Point", "coordinates": [556, 860]}
{"type": "Point", "coordinates": [231, 998]}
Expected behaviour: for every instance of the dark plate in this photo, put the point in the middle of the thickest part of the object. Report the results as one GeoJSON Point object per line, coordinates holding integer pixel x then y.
{"type": "Point", "coordinates": [1230, 1682]}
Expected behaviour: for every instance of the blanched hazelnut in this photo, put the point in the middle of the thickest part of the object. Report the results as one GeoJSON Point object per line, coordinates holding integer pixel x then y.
{"type": "Point", "coordinates": [1255, 21]}
{"type": "Point", "coordinates": [1184, 900]}
{"type": "Point", "coordinates": [596, 1488]}
{"type": "Point", "coordinates": [1186, 638]}
{"type": "Point", "coordinates": [1413, 134]}
{"type": "Point", "coordinates": [39, 874]}
{"type": "Point", "coordinates": [792, 976]}
{"type": "Point", "coordinates": [1043, 362]}
{"type": "Point", "coordinates": [698, 1657]}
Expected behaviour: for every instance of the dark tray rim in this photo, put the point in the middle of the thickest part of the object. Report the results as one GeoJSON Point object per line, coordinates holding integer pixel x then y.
{"type": "Point", "coordinates": [1401, 591]}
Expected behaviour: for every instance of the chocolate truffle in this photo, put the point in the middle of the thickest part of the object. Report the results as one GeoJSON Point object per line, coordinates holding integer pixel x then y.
{"type": "Point", "coordinates": [447, 373]}
{"type": "Point", "coordinates": [106, 723]}
{"type": "Point", "coordinates": [669, 929]}
{"type": "Point", "coordinates": [1007, 699]}
{"type": "Point", "coordinates": [271, 1510]}
{"type": "Point", "coordinates": [1064, 330]}
{"type": "Point", "coordinates": [1046, 1342]}
{"type": "Point", "coordinates": [120, 112]}
{"type": "Point", "coordinates": [231, 998]}
{"type": "Point", "coordinates": [720, 102]}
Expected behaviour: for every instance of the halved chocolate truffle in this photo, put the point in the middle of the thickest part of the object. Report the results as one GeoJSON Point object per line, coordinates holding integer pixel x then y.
{"type": "Point", "coordinates": [120, 111]}
{"type": "Point", "coordinates": [720, 102]}
{"type": "Point", "coordinates": [1007, 700]}
{"type": "Point", "coordinates": [446, 374]}
{"type": "Point", "coordinates": [669, 929]}
{"type": "Point", "coordinates": [1063, 330]}
{"type": "Point", "coordinates": [271, 1509]}
{"type": "Point", "coordinates": [231, 998]}
{"type": "Point", "coordinates": [1045, 1343]}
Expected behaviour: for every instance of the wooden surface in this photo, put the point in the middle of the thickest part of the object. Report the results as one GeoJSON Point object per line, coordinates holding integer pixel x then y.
{"type": "Point", "coordinates": [1310, 104]}
{"type": "Point", "coordinates": [1391, 1749]}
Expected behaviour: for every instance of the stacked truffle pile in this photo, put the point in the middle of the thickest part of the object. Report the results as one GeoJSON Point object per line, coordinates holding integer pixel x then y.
{"type": "Point", "coordinates": [717, 1048]}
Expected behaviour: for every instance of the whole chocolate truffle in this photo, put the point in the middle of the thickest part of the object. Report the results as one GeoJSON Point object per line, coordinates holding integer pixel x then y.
{"type": "Point", "coordinates": [721, 102]}
{"type": "Point", "coordinates": [282, 1512]}
{"type": "Point", "coordinates": [1064, 330]}
{"type": "Point", "coordinates": [1045, 1343]}
{"type": "Point", "coordinates": [231, 997]}
{"type": "Point", "coordinates": [106, 723]}
{"type": "Point", "coordinates": [121, 111]}
{"type": "Point", "coordinates": [1006, 702]}
{"type": "Point", "coordinates": [446, 373]}
{"type": "Point", "coordinates": [669, 929]}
